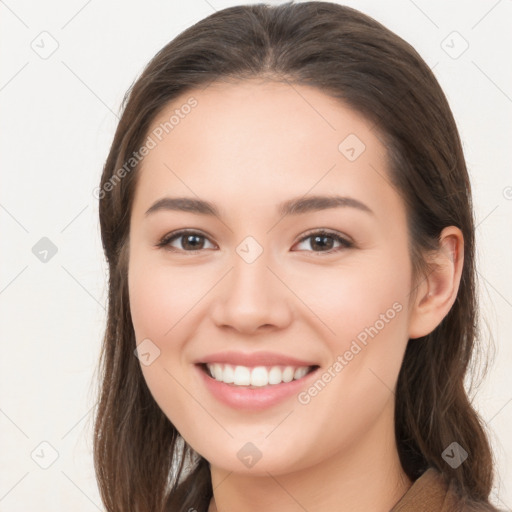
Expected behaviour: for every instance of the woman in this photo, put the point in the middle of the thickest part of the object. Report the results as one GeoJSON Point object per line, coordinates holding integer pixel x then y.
{"type": "Point", "coordinates": [242, 371]}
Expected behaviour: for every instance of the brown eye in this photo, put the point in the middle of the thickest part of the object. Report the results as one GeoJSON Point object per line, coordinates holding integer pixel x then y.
{"type": "Point", "coordinates": [188, 240]}
{"type": "Point", "coordinates": [324, 241]}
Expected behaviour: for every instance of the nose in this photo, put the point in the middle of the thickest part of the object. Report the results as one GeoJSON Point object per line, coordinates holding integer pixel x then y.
{"type": "Point", "coordinates": [251, 297]}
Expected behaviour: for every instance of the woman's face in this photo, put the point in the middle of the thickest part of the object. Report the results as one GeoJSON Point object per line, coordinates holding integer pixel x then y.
{"type": "Point", "coordinates": [263, 289]}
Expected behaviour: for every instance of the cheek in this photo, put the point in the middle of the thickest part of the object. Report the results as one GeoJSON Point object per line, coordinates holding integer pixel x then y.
{"type": "Point", "coordinates": [166, 305]}
{"type": "Point", "coordinates": [162, 303]}
{"type": "Point", "coordinates": [348, 298]}
{"type": "Point", "coordinates": [366, 310]}
{"type": "Point", "coordinates": [161, 296]}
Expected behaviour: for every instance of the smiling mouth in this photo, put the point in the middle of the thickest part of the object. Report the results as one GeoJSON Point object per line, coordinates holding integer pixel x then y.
{"type": "Point", "coordinates": [257, 376]}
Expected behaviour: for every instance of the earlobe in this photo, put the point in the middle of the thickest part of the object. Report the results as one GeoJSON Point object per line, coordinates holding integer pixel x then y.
{"type": "Point", "coordinates": [438, 290]}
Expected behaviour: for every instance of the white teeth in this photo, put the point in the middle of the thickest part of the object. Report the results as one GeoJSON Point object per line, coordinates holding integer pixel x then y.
{"type": "Point", "coordinates": [257, 376]}
{"type": "Point", "coordinates": [217, 371]}
{"type": "Point", "coordinates": [227, 375]}
{"type": "Point", "coordinates": [299, 373]}
{"type": "Point", "coordinates": [288, 374]}
{"type": "Point", "coordinates": [242, 376]}
{"type": "Point", "coordinates": [275, 375]}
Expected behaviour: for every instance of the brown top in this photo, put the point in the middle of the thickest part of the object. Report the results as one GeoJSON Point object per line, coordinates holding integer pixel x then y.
{"type": "Point", "coordinates": [429, 493]}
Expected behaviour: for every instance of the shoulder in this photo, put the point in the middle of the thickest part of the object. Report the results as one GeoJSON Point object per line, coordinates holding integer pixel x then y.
{"type": "Point", "coordinates": [432, 493]}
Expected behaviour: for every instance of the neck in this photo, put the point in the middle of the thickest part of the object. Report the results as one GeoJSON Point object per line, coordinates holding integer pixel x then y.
{"type": "Point", "coordinates": [367, 477]}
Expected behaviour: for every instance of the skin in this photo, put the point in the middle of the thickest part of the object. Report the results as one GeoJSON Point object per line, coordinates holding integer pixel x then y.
{"type": "Point", "coordinates": [247, 147]}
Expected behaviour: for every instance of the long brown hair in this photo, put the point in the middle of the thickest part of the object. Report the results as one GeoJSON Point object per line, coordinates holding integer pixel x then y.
{"type": "Point", "coordinates": [141, 462]}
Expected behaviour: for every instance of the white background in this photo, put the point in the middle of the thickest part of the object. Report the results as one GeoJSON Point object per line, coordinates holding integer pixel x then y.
{"type": "Point", "coordinates": [58, 117]}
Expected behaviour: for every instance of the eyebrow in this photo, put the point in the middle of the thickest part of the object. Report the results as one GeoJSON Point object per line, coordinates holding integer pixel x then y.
{"type": "Point", "coordinates": [293, 206]}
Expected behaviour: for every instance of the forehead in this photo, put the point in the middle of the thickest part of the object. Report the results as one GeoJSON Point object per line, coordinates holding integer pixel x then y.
{"type": "Point", "coordinates": [259, 108]}
{"type": "Point", "coordinates": [255, 137]}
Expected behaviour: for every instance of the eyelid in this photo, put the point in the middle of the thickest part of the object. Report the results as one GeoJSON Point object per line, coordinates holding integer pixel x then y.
{"type": "Point", "coordinates": [325, 231]}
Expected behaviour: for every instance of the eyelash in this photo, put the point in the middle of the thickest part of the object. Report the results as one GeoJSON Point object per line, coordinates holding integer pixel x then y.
{"type": "Point", "coordinates": [166, 240]}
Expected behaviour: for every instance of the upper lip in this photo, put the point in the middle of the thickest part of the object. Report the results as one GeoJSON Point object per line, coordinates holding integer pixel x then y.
{"type": "Point", "coordinates": [253, 359]}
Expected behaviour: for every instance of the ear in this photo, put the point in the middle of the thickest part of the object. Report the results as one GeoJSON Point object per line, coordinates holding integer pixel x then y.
{"type": "Point", "coordinates": [437, 292]}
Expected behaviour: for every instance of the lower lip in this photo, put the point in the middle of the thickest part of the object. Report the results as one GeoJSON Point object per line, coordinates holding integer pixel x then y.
{"type": "Point", "coordinates": [254, 399]}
